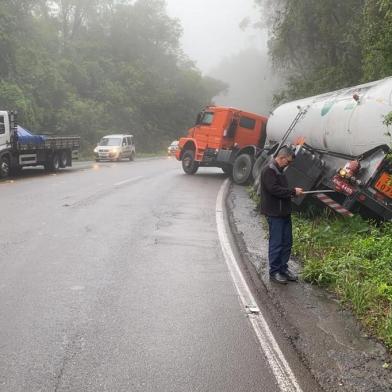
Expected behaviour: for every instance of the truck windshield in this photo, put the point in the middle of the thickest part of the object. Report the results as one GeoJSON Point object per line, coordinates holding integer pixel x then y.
{"type": "Point", "coordinates": [207, 118]}
{"type": "Point", "coordinates": [110, 141]}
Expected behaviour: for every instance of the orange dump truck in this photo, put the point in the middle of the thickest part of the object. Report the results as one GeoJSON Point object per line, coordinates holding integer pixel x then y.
{"type": "Point", "coordinates": [223, 137]}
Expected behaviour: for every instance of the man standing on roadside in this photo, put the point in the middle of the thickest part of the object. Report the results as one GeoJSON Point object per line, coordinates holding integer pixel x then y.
{"type": "Point", "coordinates": [276, 206]}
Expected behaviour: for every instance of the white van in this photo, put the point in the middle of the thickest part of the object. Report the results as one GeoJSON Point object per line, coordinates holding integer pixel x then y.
{"type": "Point", "coordinates": [115, 148]}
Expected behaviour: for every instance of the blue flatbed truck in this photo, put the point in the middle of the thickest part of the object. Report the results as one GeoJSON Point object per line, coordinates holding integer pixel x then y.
{"type": "Point", "coordinates": [20, 148]}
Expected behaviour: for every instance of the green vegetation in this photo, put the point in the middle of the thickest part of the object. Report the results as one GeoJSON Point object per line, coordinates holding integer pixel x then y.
{"type": "Point", "coordinates": [321, 46]}
{"type": "Point", "coordinates": [352, 258]}
{"type": "Point", "coordinates": [95, 67]}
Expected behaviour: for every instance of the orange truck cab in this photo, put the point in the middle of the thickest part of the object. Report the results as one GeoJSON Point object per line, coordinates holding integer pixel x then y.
{"type": "Point", "coordinates": [223, 137]}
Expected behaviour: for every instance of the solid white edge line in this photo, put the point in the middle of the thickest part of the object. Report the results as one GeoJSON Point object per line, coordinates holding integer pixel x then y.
{"type": "Point", "coordinates": [278, 364]}
{"type": "Point", "coordinates": [126, 181]}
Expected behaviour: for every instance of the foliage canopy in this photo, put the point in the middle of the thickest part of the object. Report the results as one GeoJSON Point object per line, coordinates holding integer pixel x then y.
{"type": "Point", "coordinates": [321, 46]}
{"type": "Point", "coordinates": [91, 67]}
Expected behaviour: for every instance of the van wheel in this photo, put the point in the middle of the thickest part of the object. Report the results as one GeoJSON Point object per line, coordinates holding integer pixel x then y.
{"type": "Point", "coordinates": [242, 169]}
{"type": "Point", "coordinates": [189, 165]}
{"type": "Point", "coordinates": [132, 156]}
{"type": "Point", "coordinates": [4, 167]}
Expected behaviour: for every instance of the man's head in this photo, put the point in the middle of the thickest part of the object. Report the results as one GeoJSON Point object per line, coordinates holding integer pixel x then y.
{"type": "Point", "coordinates": [284, 157]}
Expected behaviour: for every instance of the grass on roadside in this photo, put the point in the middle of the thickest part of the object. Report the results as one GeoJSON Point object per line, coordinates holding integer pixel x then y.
{"type": "Point", "coordinates": [351, 257]}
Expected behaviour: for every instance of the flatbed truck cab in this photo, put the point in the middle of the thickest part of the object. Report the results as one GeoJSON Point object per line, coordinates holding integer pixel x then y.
{"type": "Point", "coordinates": [223, 137]}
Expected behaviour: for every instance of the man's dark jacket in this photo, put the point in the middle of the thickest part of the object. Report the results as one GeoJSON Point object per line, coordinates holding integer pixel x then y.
{"type": "Point", "coordinates": [275, 193]}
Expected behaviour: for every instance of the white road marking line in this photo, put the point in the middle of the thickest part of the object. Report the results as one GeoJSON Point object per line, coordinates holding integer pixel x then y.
{"type": "Point", "coordinates": [278, 364]}
{"type": "Point", "coordinates": [126, 181]}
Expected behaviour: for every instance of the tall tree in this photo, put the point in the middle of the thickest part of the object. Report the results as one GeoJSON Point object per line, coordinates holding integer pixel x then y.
{"type": "Point", "coordinates": [315, 43]}
{"type": "Point", "coordinates": [91, 67]}
{"type": "Point", "coordinates": [377, 39]}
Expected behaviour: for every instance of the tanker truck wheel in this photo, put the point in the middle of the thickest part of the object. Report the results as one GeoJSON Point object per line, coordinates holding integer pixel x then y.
{"type": "Point", "coordinates": [4, 167]}
{"type": "Point", "coordinates": [242, 169]}
{"type": "Point", "coordinates": [189, 165]}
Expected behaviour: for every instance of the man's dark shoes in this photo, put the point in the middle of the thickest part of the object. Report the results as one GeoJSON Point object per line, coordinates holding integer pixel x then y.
{"type": "Point", "coordinates": [290, 276]}
{"type": "Point", "coordinates": [278, 278]}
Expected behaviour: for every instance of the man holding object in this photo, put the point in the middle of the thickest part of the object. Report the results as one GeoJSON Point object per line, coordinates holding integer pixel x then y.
{"type": "Point", "coordinates": [276, 206]}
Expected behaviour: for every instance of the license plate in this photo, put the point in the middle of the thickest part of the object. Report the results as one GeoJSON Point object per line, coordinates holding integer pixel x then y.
{"type": "Point", "coordinates": [384, 184]}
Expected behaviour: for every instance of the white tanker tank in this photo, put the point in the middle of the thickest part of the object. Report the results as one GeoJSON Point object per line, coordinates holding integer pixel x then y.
{"type": "Point", "coordinates": [341, 143]}
{"type": "Point", "coordinates": [347, 121]}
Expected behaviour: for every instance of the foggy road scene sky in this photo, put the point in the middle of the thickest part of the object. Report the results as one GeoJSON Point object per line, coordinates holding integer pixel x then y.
{"type": "Point", "coordinates": [224, 42]}
{"type": "Point", "coordinates": [211, 29]}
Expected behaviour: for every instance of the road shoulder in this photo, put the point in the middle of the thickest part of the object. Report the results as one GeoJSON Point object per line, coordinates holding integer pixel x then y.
{"type": "Point", "coordinates": [327, 338]}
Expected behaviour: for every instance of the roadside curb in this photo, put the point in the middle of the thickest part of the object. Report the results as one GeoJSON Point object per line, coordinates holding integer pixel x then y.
{"type": "Point", "coordinates": [326, 337]}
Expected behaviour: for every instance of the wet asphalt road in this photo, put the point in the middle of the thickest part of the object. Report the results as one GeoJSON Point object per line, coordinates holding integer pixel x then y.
{"type": "Point", "coordinates": [113, 279]}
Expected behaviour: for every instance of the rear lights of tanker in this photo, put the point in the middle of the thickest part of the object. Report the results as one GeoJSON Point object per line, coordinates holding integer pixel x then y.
{"type": "Point", "coordinates": [345, 180]}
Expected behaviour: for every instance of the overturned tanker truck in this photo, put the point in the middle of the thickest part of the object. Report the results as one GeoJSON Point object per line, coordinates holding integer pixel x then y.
{"type": "Point", "coordinates": [341, 143]}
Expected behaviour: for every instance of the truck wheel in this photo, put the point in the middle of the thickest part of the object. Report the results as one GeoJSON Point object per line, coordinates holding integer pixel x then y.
{"type": "Point", "coordinates": [242, 169]}
{"type": "Point", "coordinates": [189, 165]}
{"type": "Point", "coordinates": [54, 163]}
{"type": "Point", "coordinates": [4, 167]}
{"type": "Point", "coordinates": [63, 159]}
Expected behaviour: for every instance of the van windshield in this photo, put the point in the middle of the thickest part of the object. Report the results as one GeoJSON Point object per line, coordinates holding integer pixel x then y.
{"type": "Point", "coordinates": [110, 141]}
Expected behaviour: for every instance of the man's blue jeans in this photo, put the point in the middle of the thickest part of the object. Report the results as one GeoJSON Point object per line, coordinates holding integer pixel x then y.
{"type": "Point", "coordinates": [280, 243]}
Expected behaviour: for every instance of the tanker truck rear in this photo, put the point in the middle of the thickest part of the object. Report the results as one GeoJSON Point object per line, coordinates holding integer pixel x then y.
{"type": "Point", "coordinates": [341, 143]}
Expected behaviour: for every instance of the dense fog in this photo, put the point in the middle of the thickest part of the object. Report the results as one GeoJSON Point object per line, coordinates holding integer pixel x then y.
{"type": "Point", "coordinates": [227, 43]}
